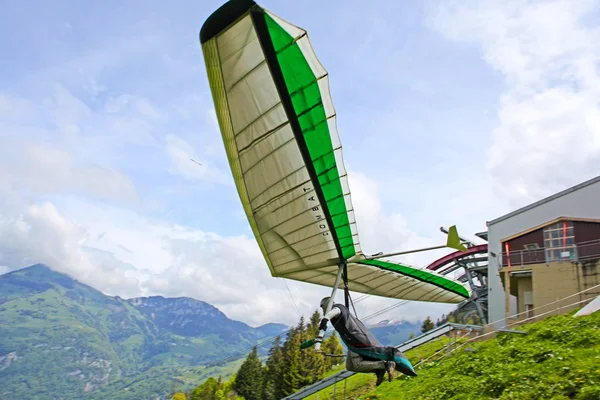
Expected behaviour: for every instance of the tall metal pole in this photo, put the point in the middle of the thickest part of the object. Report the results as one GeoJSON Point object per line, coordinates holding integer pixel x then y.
{"type": "Point", "coordinates": [507, 283]}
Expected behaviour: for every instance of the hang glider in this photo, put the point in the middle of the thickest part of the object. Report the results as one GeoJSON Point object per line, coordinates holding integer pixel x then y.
{"type": "Point", "coordinates": [278, 125]}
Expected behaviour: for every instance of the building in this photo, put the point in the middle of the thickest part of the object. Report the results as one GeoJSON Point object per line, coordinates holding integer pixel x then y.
{"type": "Point", "coordinates": [550, 249]}
{"type": "Point", "coordinates": [553, 261]}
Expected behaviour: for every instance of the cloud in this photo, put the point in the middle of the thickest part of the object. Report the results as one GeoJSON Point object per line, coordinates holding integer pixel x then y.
{"type": "Point", "coordinates": [389, 232]}
{"type": "Point", "coordinates": [11, 107]}
{"type": "Point", "coordinates": [121, 252]}
{"type": "Point", "coordinates": [31, 169]}
{"type": "Point", "coordinates": [127, 102]}
{"type": "Point", "coordinates": [91, 158]}
{"type": "Point", "coordinates": [43, 235]}
{"type": "Point", "coordinates": [230, 272]}
{"type": "Point", "coordinates": [186, 162]}
{"type": "Point", "coordinates": [547, 135]}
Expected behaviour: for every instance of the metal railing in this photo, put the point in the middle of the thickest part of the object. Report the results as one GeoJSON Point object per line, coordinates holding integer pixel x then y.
{"type": "Point", "coordinates": [516, 321]}
{"type": "Point", "coordinates": [580, 252]}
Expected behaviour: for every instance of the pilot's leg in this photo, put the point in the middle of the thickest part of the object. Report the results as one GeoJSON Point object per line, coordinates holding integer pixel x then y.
{"type": "Point", "coordinates": [356, 363]}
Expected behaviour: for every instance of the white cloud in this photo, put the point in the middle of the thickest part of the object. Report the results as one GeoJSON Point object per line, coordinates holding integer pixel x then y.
{"type": "Point", "coordinates": [124, 252]}
{"type": "Point", "coordinates": [186, 162]}
{"type": "Point", "coordinates": [548, 132]}
{"type": "Point", "coordinates": [41, 234]}
{"type": "Point", "coordinates": [31, 168]}
{"type": "Point", "coordinates": [11, 107]}
{"type": "Point", "coordinates": [383, 232]}
{"type": "Point", "coordinates": [121, 252]}
{"type": "Point", "coordinates": [124, 103]}
{"type": "Point", "coordinates": [68, 111]}
{"type": "Point", "coordinates": [230, 272]}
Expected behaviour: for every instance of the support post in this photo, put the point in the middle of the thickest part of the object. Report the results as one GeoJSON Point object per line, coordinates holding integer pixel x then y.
{"type": "Point", "coordinates": [346, 291]}
{"type": "Point", "coordinates": [507, 284]}
{"type": "Point", "coordinates": [319, 339]}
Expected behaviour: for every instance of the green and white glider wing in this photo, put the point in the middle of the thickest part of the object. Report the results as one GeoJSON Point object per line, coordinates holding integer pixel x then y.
{"type": "Point", "coordinates": [389, 279]}
{"type": "Point", "coordinates": [278, 124]}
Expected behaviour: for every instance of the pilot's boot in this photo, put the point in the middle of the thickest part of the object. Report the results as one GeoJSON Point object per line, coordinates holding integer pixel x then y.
{"type": "Point", "coordinates": [390, 366]}
{"type": "Point", "coordinates": [380, 376]}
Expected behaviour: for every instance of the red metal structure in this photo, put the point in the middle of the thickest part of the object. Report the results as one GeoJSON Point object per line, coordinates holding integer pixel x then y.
{"type": "Point", "coordinates": [457, 256]}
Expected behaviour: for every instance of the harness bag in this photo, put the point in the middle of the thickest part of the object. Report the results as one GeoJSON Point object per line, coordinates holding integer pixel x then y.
{"type": "Point", "coordinates": [358, 339]}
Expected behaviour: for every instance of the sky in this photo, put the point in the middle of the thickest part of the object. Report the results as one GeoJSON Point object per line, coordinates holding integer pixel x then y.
{"type": "Point", "coordinates": [449, 112]}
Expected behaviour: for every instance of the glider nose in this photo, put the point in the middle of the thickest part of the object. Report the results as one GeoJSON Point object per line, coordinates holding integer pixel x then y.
{"type": "Point", "coordinates": [404, 366]}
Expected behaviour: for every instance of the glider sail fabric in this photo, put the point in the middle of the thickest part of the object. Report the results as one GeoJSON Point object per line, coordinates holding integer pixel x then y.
{"type": "Point", "coordinates": [278, 124]}
{"type": "Point", "coordinates": [390, 279]}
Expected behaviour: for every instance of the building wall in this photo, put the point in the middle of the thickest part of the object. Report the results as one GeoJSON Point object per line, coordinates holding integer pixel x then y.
{"type": "Point", "coordinates": [587, 235]}
{"type": "Point", "coordinates": [586, 238]}
{"type": "Point", "coordinates": [552, 283]}
{"type": "Point", "coordinates": [590, 275]}
{"type": "Point", "coordinates": [581, 201]}
{"type": "Point", "coordinates": [516, 246]}
{"type": "Point", "coordinates": [586, 231]}
{"type": "Point", "coordinates": [524, 284]}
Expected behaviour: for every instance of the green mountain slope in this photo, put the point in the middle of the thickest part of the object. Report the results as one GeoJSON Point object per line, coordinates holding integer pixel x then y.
{"type": "Point", "coordinates": [62, 339]}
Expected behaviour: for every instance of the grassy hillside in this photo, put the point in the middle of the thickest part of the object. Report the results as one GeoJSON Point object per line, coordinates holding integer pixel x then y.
{"type": "Point", "coordinates": [360, 384]}
{"type": "Point", "coordinates": [558, 359]}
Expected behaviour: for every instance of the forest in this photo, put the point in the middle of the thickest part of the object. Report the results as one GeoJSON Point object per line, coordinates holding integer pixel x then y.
{"type": "Point", "coordinates": [282, 372]}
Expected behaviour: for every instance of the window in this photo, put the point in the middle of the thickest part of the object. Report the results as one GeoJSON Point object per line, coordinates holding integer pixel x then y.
{"type": "Point", "coordinates": [559, 242]}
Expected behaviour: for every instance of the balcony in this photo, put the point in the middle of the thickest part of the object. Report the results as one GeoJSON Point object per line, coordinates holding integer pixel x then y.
{"type": "Point", "coordinates": [576, 253]}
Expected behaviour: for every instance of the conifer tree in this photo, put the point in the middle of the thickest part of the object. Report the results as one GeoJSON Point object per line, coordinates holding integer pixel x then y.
{"type": "Point", "coordinates": [248, 383]}
{"type": "Point", "coordinates": [332, 345]}
{"type": "Point", "coordinates": [314, 363]}
{"type": "Point", "coordinates": [206, 391]}
{"type": "Point", "coordinates": [291, 364]}
{"type": "Point", "coordinates": [305, 357]}
{"type": "Point", "coordinates": [313, 325]}
{"type": "Point", "coordinates": [272, 372]}
{"type": "Point", "coordinates": [427, 325]}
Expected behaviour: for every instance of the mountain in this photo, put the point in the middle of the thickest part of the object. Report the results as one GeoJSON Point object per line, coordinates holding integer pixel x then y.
{"type": "Point", "coordinates": [62, 339]}
{"type": "Point", "coordinates": [393, 333]}
{"type": "Point", "coordinates": [188, 317]}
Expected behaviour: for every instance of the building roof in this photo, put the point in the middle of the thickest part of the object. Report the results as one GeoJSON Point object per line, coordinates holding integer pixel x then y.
{"type": "Point", "coordinates": [546, 200]}
{"type": "Point", "coordinates": [482, 235]}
